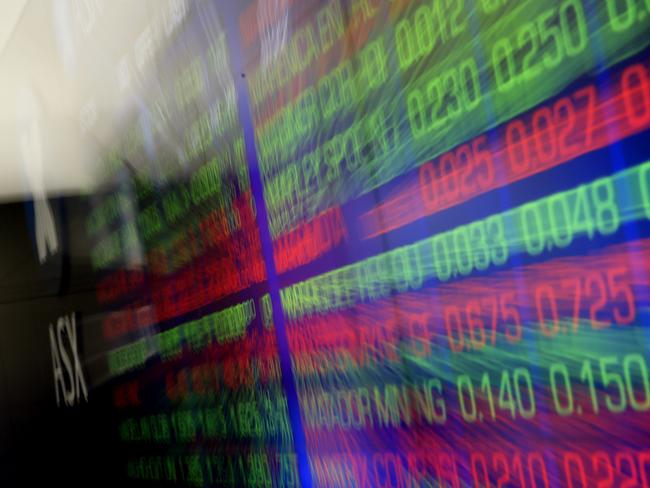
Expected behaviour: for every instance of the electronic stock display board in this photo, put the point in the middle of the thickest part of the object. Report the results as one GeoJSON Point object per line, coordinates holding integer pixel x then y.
{"type": "Point", "coordinates": [354, 243]}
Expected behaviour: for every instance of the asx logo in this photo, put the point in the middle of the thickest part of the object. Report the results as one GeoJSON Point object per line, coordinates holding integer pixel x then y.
{"type": "Point", "coordinates": [63, 344]}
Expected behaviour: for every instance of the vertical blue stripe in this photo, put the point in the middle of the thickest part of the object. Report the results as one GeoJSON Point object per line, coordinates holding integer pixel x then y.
{"type": "Point", "coordinates": [231, 16]}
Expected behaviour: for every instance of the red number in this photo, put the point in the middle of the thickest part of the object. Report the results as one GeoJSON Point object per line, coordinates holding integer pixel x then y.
{"type": "Point", "coordinates": [499, 459]}
{"type": "Point", "coordinates": [575, 285]}
{"type": "Point", "coordinates": [176, 385]}
{"type": "Point", "coordinates": [518, 151]}
{"type": "Point", "coordinates": [565, 127]}
{"type": "Point", "coordinates": [589, 94]}
{"type": "Point", "coordinates": [465, 163]}
{"type": "Point", "coordinates": [546, 292]}
{"type": "Point", "coordinates": [483, 157]}
{"type": "Point", "coordinates": [544, 135]}
{"type": "Point", "coordinates": [197, 381]}
{"type": "Point", "coordinates": [644, 458]}
{"type": "Point", "coordinates": [449, 178]}
{"type": "Point", "coordinates": [229, 374]}
{"type": "Point", "coordinates": [535, 457]}
{"type": "Point", "coordinates": [420, 345]}
{"type": "Point", "coordinates": [621, 288]}
{"type": "Point", "coordinates": [452, 312]}
{"type": "Point", "coordinates": [636, 95]}
{"type": "Point", "coordinates": [596, 282]}
{"type": "Point", "coordinates": [599, 459]}
{"type": "Point", "coordinates": [427, 185]}
{"type": "Point", "coordinates": [120, 399]}
{"type": "Point", "coordinates": [474, 322]}
{"type": "Point", "coordinates": [447, 468]}
{"type": "Point", "coordinates": [510, 312]}
{"type": "Point", "coordinates": [517, 466]}
{"type": "Point", "coordinates": [478, 461]}
{"type": "Point", "coordinates": [494, 312]}
{"type": "Point", "coordinates": [633, 478]}
{"type": "Point", "coordinates": [573, 458]}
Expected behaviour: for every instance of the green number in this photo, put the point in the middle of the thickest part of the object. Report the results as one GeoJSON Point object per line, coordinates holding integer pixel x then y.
{"type": "Point", "coordinates": [621, 21]}
{"type": "Point", "coordinates": [533, 238]}
{"type": "Point", "coordinates": [587, 374]}
{"type": "Point", "coordinates": [441, 259]}
{"type": "Point", "coordinates": [450, 81]}
{"type": "Point", "coordinates": [520, 373]}
{"type": "Point", "coordinates": [400, 270]}
{"type": "Point", "coordinates": [424, 30]}
{"type": "Point", "coordinates": [463, 251]}
{"type": "Point", "coordinates": [645, 188]}
{"type": "Point", "coordinates": [559, 368]}
{"type": "Point", "coordinates": [456, 28]}
{"type": "Point", "coordinates": [255, 470]}
{"type": "Point", "coordinates": [502, 51]}
{"type": "Point", "coordinates": [486, 388]}
{"type": "Point", "coordinates": [439, 414]}
{"type": "Point", "coordinates": [528, 34]}
{"type": "Point", "coordinates": [436, 97]}
{"type": "Point", "coordinates": [615, 378]}
{"type": "Point", "coordinates": [404, 44]}
{"type": "Point", "coordinates": [309, 104]}
{"type": "Point", "coordinates": [548, 32]}
{"type": "Point", "coordinates": [470, 78]}
{"type": "Point", "coordinates": [505, 394]}
{"type": "Point", "coordinates": [604, 197]}
{"type": "Point", "coordinates": [583, 220]}
{"type": "Point", "coordinates": [479, 245]}
{"type": "Point", "coordinates": [415, 107]}
{"type": "Point", "coordinates": [260, 466]}
{"type": "Point", "coordinates": [440, 15]}
{"type": "Point", "coordinates": [560, 220]}
{"type": "Point", "coordinates": [629, 381]}
{"type": "Point", "coordinates": [170, 468]}
{"type": "Point", "coordinates": [498, 245]}
{"type": "Point", "coordinates": [416, 276]}
{"type": "Point", "coordinates": [464, 381]}
{"type": "Point", "coordinates": [573, 48]}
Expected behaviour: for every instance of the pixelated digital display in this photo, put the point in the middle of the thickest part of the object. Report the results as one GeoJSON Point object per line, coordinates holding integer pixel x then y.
{"type": "Point", "coordinates": [357, 243]}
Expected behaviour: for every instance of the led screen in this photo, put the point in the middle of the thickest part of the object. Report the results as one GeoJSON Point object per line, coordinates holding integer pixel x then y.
{"type": "Point", "coordinates": [358, 243]}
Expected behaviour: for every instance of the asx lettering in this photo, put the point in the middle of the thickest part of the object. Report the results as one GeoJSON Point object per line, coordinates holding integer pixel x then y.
{"type": "Point", "coordinates": [66, 327]}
